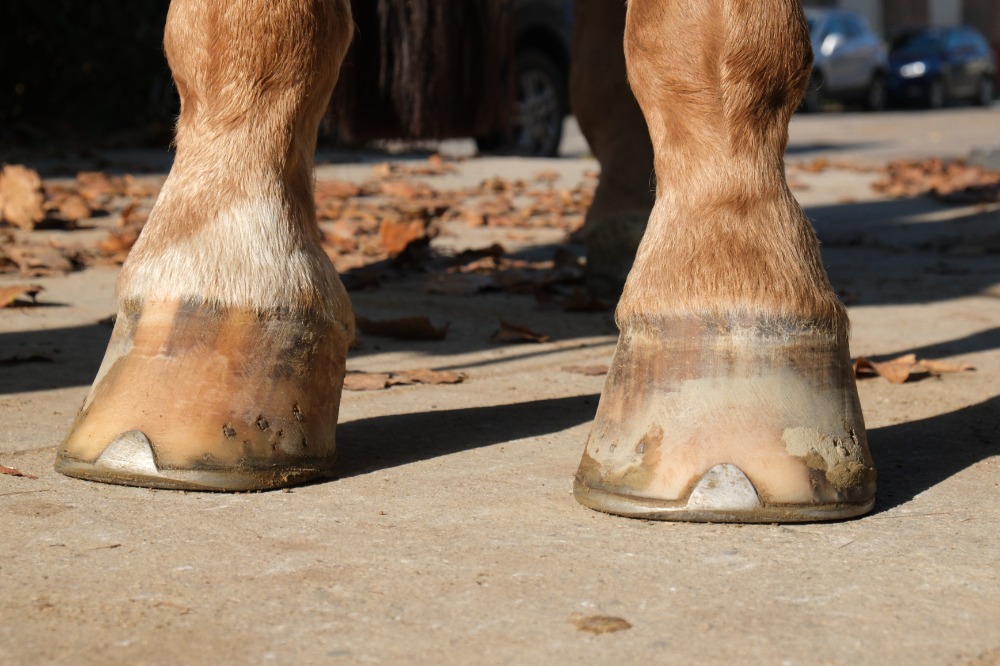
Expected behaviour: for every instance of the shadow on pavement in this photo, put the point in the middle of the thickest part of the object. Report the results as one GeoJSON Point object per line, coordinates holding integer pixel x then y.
{"type": "Point", "coordinates": [801, 149]}
{"type": "Point", "coordinates": [367, 445]}
{"type": "Point", "coordinates": [51, 358]}
{"type": "Point", "coordinates": [982, 341]}
{"type": "Point", "coordinates": [915, 456]}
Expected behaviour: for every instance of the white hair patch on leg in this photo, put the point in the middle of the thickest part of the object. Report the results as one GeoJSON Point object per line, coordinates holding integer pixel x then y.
{"type": "Point", "coordinates": [252, 255]}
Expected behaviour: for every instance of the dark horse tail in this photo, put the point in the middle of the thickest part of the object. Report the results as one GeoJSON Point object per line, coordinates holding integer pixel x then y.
{"type": "Point", "coordinates": [426, 69]}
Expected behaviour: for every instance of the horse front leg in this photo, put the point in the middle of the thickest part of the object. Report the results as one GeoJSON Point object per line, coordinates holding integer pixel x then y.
{"type": "Point", "coordinates": [226, 363]}
{"type": "Point", "coordinates": [731, 395]}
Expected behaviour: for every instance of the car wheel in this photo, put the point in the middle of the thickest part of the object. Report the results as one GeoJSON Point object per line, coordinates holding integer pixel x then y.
{"type": "Point", "coordinates": [876, 96]}
{"type": "Point", "coordinates": [812, 102]}
{"type": "Point", "coordinates": [936, 96]}
{"type": "Point", "coordinates": [539, 109]}
{"type": "Point", "coordinates": [984, 91]}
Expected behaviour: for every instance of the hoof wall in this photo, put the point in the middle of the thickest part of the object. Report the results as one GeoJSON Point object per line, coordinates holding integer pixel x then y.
{"type": "Point", "coordinates": [130, 460]}
{"type": "Point", "coordinates": [724, 494]}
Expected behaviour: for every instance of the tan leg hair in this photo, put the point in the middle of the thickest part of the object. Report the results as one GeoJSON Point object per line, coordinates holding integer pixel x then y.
{"type": "Point", "coordinates": [717, 81]}
{"type": "Point", "coordinates": [235, 222]}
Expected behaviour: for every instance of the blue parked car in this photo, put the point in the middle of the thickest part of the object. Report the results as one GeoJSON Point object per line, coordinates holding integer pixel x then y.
{"type": "Point", "coordinates": [934, 66]}
{"type": "Point", "coordinates": [849, 61]}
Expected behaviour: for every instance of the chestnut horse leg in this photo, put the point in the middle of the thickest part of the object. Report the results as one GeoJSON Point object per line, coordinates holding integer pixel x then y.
{"type": "Point", "coordinates": [611, 121]}
{"type": "Point", "coordinates": [226, 363]}
{"type": "Point", "coordinates": [731, 395]}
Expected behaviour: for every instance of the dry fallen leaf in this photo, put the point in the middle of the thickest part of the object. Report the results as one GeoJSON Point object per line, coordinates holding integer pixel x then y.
{"type": "Point", "coordinates": [405, 189]}
{"type": "Point", "coordinates": [74, 208]}
{"type": "Point", "coordinates": [510, 333]}
{"type": "Point", "coordinates": [940, 367]}
{"type": "Point", "coordinates": [9, 294]}
{"type": "Point", "coordinates": [337, 189]}
{"type": "Point", "coordinates": [952, 181]}
{"type": "Point", "coordinates": [117, 244]}
{"type": "Point", "coordinates": [15, 472]}
{"type": "Point", "coordinates": [406, 328]}
{"type": "Point", "coordinates": [601, 624]}
{"type": "Point", "coordinates": [37, 259]}
{"type": "Point", "coordinates": [903, 368]}
{"type": "Point", "coordinates": [396, 235]}
{"type": "Point", "coordinates": [382, 170]}
{"type": "Point", "coordinates": [356, 380]}
{"type": "Point", "coordinates": [22, 196]}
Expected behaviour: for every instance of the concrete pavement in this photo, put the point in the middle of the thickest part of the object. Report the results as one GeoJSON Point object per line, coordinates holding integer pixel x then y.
{"type": "Point", "coordinates": [451, 536]}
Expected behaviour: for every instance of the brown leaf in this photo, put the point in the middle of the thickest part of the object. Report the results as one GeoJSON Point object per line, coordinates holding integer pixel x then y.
{"type": "Point", "coordinates": [341, 236]}
{"type": "Point", "coordinates": [513, 333]}
{"type": "Point", "coordinates": [601, 624]}
{"type": "Point", "coordinates": [382, 170]}
{"type": "Point", "coordinates": [22, 196]}
{"type": "Point", "coordinates": [940, 367]}
{"type": "Point", "coordinates": [818, 165]}
{"type": "Point", "coordinates": [337, 189]}
{"type": "Point", "coordinates": [9, 294]}
{"type": "Point", "coordinates": [427, 376]}
{"type": "Point", "coordinates": [74, 208]}
{"type": "Point", "coordinates": [395, 236]}
{"type": "Point", "coordinates": [405, 189]}
{"type": "Point", "coordinates": [588, 370]}
{"type": "Point", "coordinates": [902, 368]}
{"type": "Point", "coordinates": [406, 328]}
{"type": "Point", "coordinates": [896, 370]}
{"type": "Point", "coordinates": [38, 260]}
{"type": "Point", "coordinates": [117, 244]}
{"type": "Point", "coordinates": [356, 380]}
{"type": "Point", "coordinates": [15, 472]}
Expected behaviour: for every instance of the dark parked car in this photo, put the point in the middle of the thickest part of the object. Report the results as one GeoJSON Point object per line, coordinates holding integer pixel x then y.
{"type": "Point", "coordinates": [543, 34]}
{"type": "Point", "coordinates": [936, 65]}
{"type": "Point", "coordinates": [849, 60]}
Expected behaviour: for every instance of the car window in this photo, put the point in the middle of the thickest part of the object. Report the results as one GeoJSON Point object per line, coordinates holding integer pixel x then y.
{"type": "Point", "coordinates": [953, 42]}
{"type": "Point", "coordinates": [837, 26]}
{"type": "Point", "coordinates": [974, 42]}
{"type": "Point", "coordinates": [854, 27]}
{"type": "Point", "coordinates": [918, 42]}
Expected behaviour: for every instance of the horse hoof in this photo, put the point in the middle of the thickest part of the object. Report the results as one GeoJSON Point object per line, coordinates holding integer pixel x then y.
{"type": "Point", "coordinates": [729, 420]}
{"type": "Point", "coordinates": [197, 397]}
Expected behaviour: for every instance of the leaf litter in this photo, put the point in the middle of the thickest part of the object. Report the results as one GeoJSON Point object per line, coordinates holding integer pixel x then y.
{"type": "Point", "coordinates": [357, 380]}
{"type": "Point", "coordinates": [14, 295]}
{"type": "Point", "coordinates": [10, 471]}
{"type": "Point", "coordinates": [374, 230]}
{"type": "Point", "coordinates": [905, 368]}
